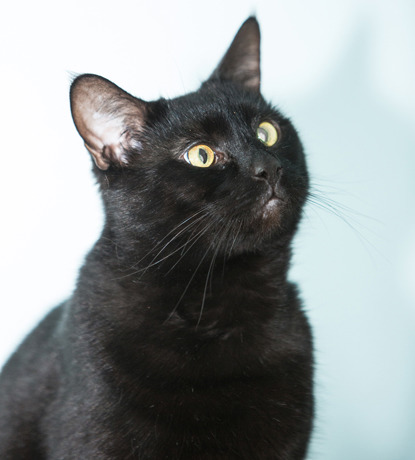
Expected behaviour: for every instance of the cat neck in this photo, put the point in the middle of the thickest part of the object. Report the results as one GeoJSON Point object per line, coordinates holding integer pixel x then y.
{"type": "Point", "coordinates": [197, 290]}
{"type": "Point", "coordinates": [135, 264]}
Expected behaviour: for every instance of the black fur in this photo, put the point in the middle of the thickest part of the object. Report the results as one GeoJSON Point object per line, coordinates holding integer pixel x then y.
{"type": "Point", "coordinates": [183, 338]}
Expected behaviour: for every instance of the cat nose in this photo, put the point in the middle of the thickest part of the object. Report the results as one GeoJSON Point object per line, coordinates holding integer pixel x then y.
{"type": "Point", "coordinates": [267, 169]}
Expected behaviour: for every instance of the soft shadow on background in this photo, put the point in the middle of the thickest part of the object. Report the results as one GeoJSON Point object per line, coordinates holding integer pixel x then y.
{"type": "Point", "coordinates": [343, 71]}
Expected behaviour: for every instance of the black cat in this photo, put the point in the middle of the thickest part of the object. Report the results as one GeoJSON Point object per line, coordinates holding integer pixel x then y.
{"type": "Point", "coordinates": [183, 338]}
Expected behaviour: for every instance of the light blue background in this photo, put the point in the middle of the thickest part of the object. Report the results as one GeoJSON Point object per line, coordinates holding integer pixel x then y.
{"type": "Point", "coordinates": [344, 71]}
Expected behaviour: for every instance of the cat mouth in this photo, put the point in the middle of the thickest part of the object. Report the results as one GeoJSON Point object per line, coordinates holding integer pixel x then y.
{"type": "Point", "coordinates": [272, 204]}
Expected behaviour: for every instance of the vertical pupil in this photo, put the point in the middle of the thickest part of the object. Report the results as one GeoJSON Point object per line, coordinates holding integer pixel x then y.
{"type": "Point", "coordinates": [262, 134]}
{"type": "Point", "coordinates": [203, 155]}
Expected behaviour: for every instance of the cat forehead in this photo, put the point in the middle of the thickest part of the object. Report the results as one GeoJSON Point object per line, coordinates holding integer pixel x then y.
{"type": "Point", "coordinates": [220, 98]}
{"type": "Point", "coordinates": [214, 110]}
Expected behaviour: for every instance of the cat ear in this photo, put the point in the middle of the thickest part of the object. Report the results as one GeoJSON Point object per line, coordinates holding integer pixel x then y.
{"type": "Point", "coordinates": [241, 62]}
{"type": "Point", "coordinates": [106, 117]}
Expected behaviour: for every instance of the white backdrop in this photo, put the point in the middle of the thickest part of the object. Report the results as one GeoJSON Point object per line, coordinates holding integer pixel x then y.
{"type": "Point", "coordinates": [344, 71]}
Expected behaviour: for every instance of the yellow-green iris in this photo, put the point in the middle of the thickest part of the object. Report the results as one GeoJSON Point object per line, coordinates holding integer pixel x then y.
{"type": "Point", "coordinates": [267, 133]}
{"type": "Point", "coordinates": [201, 156]}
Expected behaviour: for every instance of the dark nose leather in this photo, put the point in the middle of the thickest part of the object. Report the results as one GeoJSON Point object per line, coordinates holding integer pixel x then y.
{"type": "Point", "coordinates": [266, 167]}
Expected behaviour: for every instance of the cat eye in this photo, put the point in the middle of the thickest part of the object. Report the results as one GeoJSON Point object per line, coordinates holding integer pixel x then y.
{"type": "Point", "coordinates": [267, 133]}
{"type": "Point", "coordinates": [201, 156]}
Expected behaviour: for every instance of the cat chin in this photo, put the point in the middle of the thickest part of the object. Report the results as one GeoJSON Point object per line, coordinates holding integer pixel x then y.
{"type": "Point", "coordinates": [272, 207]}
{"type": "Point", "coordinates": [269, 212]}
{"type": "Point", "coordinates": [268, 226]}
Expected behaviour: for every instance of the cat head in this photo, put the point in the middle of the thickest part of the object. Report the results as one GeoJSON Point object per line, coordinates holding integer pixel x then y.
{"type": "Point", "coordinates": [219, 167]}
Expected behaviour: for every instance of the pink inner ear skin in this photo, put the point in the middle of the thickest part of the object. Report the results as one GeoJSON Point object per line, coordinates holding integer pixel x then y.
{"type": "Point", "coordinates": [104, 115]}
{"type": "Point", "coordinates": [104, 140]}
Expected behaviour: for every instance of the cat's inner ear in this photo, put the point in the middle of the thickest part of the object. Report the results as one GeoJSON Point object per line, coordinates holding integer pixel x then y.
{"type": "Point", "coordinates": [107, 118]}
{"type": "Point", "coordinates": [241, 61]}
